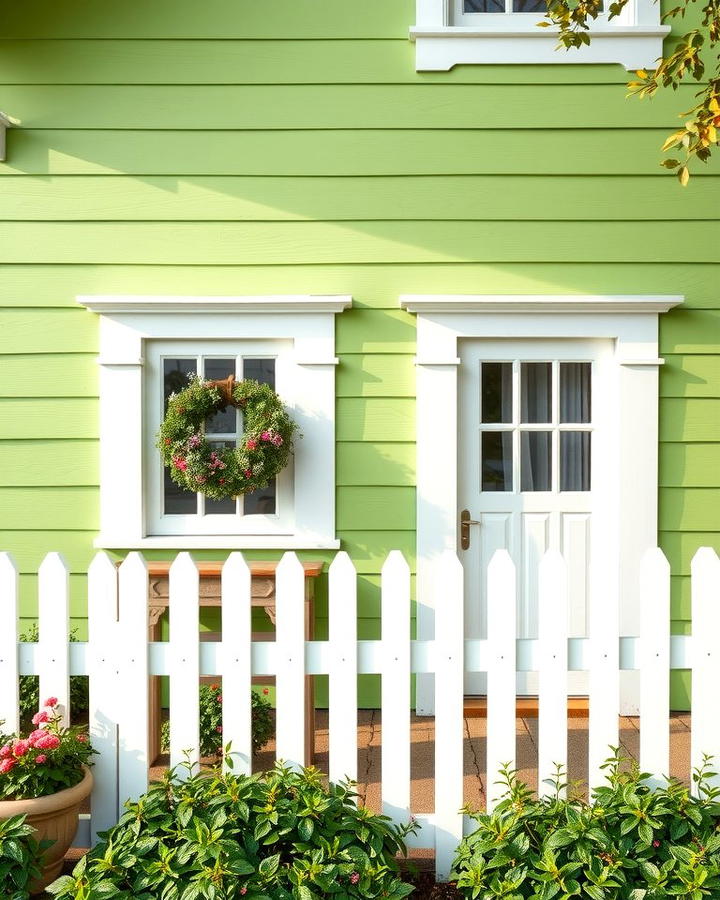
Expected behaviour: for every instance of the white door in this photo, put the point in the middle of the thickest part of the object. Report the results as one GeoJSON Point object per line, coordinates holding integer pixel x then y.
{"type": "Point", "coordinates": [532, 428]}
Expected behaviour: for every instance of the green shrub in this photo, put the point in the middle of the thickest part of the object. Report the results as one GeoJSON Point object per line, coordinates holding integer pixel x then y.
{"type": "Point", "coordinates": [630, 843]}
{"type": "Point", "coordinates": [280, 835]}
{"type": "Point", "coordinates": [211, 738]}
{"type": "Point", "coordinates": [19, 854]}
{"type": "Point", "coordinates": [30, 687]}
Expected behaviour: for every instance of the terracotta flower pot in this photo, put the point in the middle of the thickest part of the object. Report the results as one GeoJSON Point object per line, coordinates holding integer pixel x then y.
{"type": "Point", "coordinates": [55, 818]}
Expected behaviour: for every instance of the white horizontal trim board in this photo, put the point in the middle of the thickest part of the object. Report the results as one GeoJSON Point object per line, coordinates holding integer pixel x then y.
{"type": "Point", "coordinates": [118, 652]}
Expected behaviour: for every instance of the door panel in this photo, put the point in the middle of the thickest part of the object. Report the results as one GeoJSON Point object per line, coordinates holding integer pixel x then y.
{"type": "Point", "coordinates": [528, 421]}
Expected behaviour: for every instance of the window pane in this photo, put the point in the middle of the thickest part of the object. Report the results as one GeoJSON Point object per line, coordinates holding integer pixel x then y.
{"type": "Point", "coordinates": [536, 392]}
{"type": "Point", "coordinates": [535, 460]}
{"type": "Point", "coordinates": [262, 370]}
{"type": "Point", "coordinates": [224, 421]}
{"type": "Point", "coordinates": [226, 506]}
{"type": "Point", "coordinates": [261, 502]}
{"type": "Point", "coordinates": [496, 392]}
{"type": "Point", "coordinates": [177, 501]}
{"type": "Point", "coordinates": [483, 6]}
{"type": "Point", "coordinates": [497, 460]}
{"type": "Point", "coordinates": [530, 6]}
{"type": "Point", "coordinates": [575, 460]}
{"type": "Point", "coordinates": [575, 392]}
{"type": "Point", "coordinates": [175, 375]}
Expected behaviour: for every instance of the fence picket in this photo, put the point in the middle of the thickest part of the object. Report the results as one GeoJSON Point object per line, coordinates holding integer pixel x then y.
{"type": "Point", "coordinates": [603, 675]}
{"type": "Point", "coordinates": [449, 720]}
{"type": "Point", "coordinates": [54, 640]}
{"type": "Point", "coordinates": [9, 668]}
{"type": "Point", "coordinates": [705, 737]}
{"type": "Point", "coordinates": [395, 689]}
{"type": "Point", "coordinates": [654, 663]}
{"type": "Point", "coordinates": [502, 629]}
{"type": "Point", "coordinates": [290, 677]}
{"type": "Point", "coordinates": [132, 659]}
{"type": "Point", "coordinates": [342, 633]}
{"type": "Point", "coordinates": [185, 663]}
{"type": "Point", "coordinates": [236, 659]}
{"type": "Point", "coordinates": [552, 671]}
{"type": "Point", "coordinates": [102, 712]}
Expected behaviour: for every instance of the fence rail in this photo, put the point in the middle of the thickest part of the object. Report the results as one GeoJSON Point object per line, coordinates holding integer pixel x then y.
{"type": "Point", "coordinates": [118, 658]}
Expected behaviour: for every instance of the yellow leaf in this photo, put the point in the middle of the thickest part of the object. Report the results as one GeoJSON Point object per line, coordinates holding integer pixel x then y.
{"type": "Point", "coordinates": [714, 106]}
{"type": "Point", "coordinates": [684, 176]}
{"type": "Point", "coordinates": [673, 139]}
{"type": "Point", "coordinates": [712, 134]}
{"type": "Point", "coordinates": [641, 73]}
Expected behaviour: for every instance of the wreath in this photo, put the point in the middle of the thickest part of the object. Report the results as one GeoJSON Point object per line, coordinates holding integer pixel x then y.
{"type": "Point", "coordinates": [198, 466]}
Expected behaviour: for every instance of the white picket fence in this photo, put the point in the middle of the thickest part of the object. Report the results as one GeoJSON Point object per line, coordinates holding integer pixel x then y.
{"type": "Point", "coordinates": [119, 659]}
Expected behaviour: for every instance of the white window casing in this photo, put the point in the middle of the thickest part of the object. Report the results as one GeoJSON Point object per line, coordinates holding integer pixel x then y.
{"type": "Point", "coordinates": [445, 36]}
{"type": "Point", "coordinates": [629, 511]}
{"type": "Point", "coordinates": [130, 326]}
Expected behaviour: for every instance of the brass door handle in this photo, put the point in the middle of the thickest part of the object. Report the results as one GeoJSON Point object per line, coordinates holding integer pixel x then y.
{"type": "Point", "coordinates": [465, 523]}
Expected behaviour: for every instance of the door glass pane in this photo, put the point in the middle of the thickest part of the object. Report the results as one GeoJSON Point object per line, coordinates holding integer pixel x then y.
{"type": "Point", "coordinates": [496, 392]}
{"type": "Point", "coordinates": [177, 501]}
{"type": "Point", "coordinates": [175, 376]}
{"type": "Point", "coordinates": [497, 460]}
{"type": "Point", "coordinates": [261, 502]}
{"type": "Point", "coordinates": [262, 370]}
{"type": "Point", "coordinates": [536, 392]}
{"type": "Point", "coordinates": [575, 460]}
{"type": "Point", "coordinates": [575, 392]}
{"type": "Point", "coordinates": [224, 420]}
{"type": "Point", "coordinates": [483, 6]}
{"type": "Point", "coordinates": [535, 460]}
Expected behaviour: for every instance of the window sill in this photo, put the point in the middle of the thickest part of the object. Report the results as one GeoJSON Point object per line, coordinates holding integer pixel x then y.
{"type": "Point", "coordinates": [439, 48]}
{"type": "Point", "coordinates": [215, 542]}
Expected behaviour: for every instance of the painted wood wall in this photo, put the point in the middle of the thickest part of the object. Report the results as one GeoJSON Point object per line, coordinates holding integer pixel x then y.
{"type": "Point", "coordinates": [237, 146]}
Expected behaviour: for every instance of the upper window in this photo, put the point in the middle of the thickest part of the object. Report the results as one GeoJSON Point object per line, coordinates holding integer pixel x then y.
{"type": "Point", "coordinates": [148, 348]}
{"type": "Point", "coordinates": [452, 32]}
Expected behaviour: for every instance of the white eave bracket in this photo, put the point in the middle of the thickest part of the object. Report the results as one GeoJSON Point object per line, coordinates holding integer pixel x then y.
{"type": "Point", "coordinates": [6, 122]}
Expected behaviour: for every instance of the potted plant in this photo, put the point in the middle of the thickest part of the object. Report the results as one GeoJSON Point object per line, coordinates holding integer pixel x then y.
{"type": "Point", "coordinates": [45, 777]}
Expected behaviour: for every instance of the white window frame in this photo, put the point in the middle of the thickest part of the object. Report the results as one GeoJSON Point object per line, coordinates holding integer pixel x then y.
{"type": "Point", "coordinates": [630, 512]}
{"type": "Point", "coordinates": [445, 36]}
{"type": "Point", "coordinates": [305, 323]}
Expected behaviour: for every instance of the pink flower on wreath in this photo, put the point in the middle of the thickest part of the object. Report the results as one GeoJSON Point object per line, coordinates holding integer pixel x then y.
{"type": "Point", "coordinates": [5, 751]}
{"type": "Point", "coordinates": [218, 728]}
{"type": "Point", "coordinates": [266, 436]}
{"type": "Point", "coordinates": [20, 748]}
{"type": "Point", "coordinates": [251, 443]}
{"type": "Point", "coordinates": [243, 890]}
{"type": "Point", "coordinates": [35, 736]}
{"type": "Point", "coordinates": [179, 463]}
{"type": "Point", "coordinates": [82, 738]}
{"type": "Point", "coordinates": [51, 702]}
{"type": "Point", "coordinates": [276, 440]}
{"type": "Point", "coordinates": [247, 473]}
{"type": "Point", "coordinates": [40, 759]}
{"type": "Point", "coordinates": [355, 877]}
{"type": "Point", "coordinates": [40, 717]}
{"type": "Point", "coordinates": [194, 441]}
{"type": "Point", "coordinates": [7, 765]}
{"type": "Point", "coordinates": [201, 479]}
{"type": "Point", "coordinates": [219, 698]}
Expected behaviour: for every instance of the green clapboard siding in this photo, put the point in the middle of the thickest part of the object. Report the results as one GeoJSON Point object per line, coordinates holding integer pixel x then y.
{"type": "Point", "coordinates": [238, 147]}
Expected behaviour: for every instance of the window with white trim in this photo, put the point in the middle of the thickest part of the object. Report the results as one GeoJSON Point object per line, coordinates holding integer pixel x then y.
{"type": "Point", "coordinates": [148, 347]}
{"type": "Point", "coordinates": [453, 32]}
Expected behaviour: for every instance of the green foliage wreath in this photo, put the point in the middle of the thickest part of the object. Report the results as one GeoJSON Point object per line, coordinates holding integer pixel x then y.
{"type": "Point", "coordinates": [263, 451]}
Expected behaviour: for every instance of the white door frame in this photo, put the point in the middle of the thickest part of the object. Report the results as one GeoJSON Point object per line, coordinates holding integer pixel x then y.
{"type": "Point", "coordinates": [631, 322]}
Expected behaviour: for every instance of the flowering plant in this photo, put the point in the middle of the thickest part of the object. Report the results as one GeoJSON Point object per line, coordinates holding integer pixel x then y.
{"type": "Point", "coordinates": [48, 760]}
{"type": "Point", "coordinates": [198, 465]}
{"type": "Point", "coordinates": [211, 736]}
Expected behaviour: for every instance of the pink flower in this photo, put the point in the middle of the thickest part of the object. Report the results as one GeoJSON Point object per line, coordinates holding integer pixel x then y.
{"type": "Point", "coordinates": [243, 890]}
{"type": "Point", "coordinates": [354, 878]}
{"type": "Point", "coordinates": [201, 479]}
{"type": "Point", "coordinates": [40, 759]}
{"type": "Point", "coordinates": [656, 844]}
{"type": "Point", "coordinates": [82, 738]}
{"type": "Point", "coordinates": [251, 443]}
{"type": "Point", "coordinates": [218, 728]}
{"type": "Point", "coordinates": [247, 473]}
{"type": "Point", "coordinates": [40, 717]}
{"type": "Point", "coordinates": [179, 463]}
{"type": "Point", "coordinates": [20, 748]}
{"type": "Point", "coordinates": [35, 736]}
{"type": "Point", "coordinates": [266, 436]}
{"type": "Point", "coordinates": [277, 440]}
{"type": "Point", "coordinates": [219, 698]}
{"type": "Point", "coordinates": [51, 701]}
{"type": "Point", "coordinates": [194, 441]}
{"type": "Point", "coordinates": [47, 742]}
{"type": "Point", "coordinates": [7, 765]}
{"type": "Point", "coordinates": [5, 751]}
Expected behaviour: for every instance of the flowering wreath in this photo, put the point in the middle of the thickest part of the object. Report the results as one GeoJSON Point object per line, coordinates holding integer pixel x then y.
{"type": "Point", "coordinates": [264, 449]}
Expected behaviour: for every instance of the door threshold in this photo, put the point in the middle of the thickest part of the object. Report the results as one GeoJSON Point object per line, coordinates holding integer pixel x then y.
{"type": "Point", "coordinates": [526, 707]}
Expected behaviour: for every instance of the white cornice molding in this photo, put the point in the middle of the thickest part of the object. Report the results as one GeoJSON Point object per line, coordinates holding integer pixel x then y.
{"type": "Point", "coordinates": [531, 30]}
{"type": "Point", "coordinates": [539, 303]}
{"type": "Point", "coordinates": [113, 304]}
